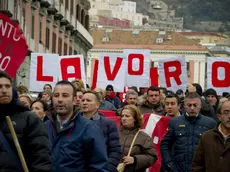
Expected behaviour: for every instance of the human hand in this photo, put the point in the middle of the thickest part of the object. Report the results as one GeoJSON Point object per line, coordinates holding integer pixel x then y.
{"type": "Point", "coordinates": [128, 160]}
{"type": "Point", "coordinates": [191, 88]}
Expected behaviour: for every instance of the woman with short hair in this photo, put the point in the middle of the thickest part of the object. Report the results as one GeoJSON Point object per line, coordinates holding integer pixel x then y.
{"type": "Point", "coordinates": [142, 154]}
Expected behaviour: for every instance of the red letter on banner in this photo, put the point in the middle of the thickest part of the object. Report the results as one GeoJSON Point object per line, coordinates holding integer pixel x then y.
{"type": "Point", "coordinates": [175, 74]}
{"type": "Point", "coordinates": [40, 76]}
{"type": "Point", "coordinates": [215, 81]}
{"type": "Point", "coordinates": [112, 74]}
{"type": "Point", "coordinates": [65, 63]}
{"type": "Point", "coordinates": [154, 76]}
{"type": "Point", "coordinates": [140, 57]}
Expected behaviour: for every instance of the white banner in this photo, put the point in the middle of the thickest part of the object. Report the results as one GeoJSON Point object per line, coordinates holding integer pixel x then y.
{"type": "Point", "coordinates": [218, 75]}
{"type": "Point", "coordinates": [173, 73]}
{"type": "Point", "coordinates": [72, 67]}
{"type": "Point", "coordinates": [43, 70]}
{"type": "Point", "coordinates": [137, 67]}
{"type": "Point", "coordinates": [111, 70]}
{"type": "Point", "coordinates": [51, 68]}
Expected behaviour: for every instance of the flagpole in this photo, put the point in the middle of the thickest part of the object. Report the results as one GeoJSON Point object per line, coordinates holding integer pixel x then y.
{"type": "Point", "coordinates": [17, 145]}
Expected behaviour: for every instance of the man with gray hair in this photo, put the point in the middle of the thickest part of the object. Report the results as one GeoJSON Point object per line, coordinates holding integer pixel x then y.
{"type": "Point", "coordinates": [131, 97]}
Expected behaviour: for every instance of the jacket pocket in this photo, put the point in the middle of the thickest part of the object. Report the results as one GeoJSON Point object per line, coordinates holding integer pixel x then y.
{"type": "Point", "coordinates": [180, 138]}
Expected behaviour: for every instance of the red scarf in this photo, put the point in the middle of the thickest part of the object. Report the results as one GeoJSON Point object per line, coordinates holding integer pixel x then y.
{"type": "Point", "coordinates": [111, 96]}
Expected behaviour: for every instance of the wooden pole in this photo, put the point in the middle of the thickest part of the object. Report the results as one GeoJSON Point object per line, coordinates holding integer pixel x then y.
{"type": "Point", "coordinates": [17, 145]}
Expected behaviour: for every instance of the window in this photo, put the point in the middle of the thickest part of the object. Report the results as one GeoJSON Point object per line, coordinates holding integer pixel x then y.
{"type": "Point", "coordinates": [65, 49]}
{"type": "Point", "coordinates": [59, 46]}
{"type": "Point", "coordinates": [71, 7]}
{"type": "Point", "coordinates": [47, 36]}
{"type": "Point", "coordinates": [54, 43]}
{"type": "Point", "coordinates": [187, 63]}
{"type": "Point", "coordinates": [66, 4]}
{"type": "Point", "coordinates": [70, 50]}
{"type": "Point", "coordinates": [32, 24]}
{"type": "Point", "coordinates": [40, 29]}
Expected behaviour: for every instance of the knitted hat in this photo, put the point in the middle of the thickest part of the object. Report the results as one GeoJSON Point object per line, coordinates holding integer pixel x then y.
{"type": "Point", "coordinates": [109, 88]}
{"type": "Point", "coordinates": [179, 91]}
{"type": "Point", "coordinates": [226, 94]}
{"type": "Point", "coordinates": [210, 91]}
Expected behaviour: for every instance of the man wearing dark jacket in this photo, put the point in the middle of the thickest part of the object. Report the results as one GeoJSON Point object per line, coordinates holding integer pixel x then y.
{"type": "Point", "coordinates": [77, 143]}
{"type": "Point", "coordinates": [31, 133]}
{"type": "Point", "coordinates": [213, 152]}
{"type": "Point", "coordinates": [111, 97]}
{"type": "Point", "coordinates": [89, 105]}
{"type": "Point", "coordinates": [212, 98]}
{"type": "Point", "coordinates": [179, 144]}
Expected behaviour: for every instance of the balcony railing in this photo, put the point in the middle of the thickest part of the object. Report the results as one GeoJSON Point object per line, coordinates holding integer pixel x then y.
{"type": "Point", "coordinates": [84, 32]}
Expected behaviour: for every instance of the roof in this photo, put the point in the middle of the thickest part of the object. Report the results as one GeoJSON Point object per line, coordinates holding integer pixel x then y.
{"type": "Point", "coordinates": [200, 34]}
{"type": "Point", "coordinates": [224, 42]}
{"type": "Point", "coordinates": [122, 39]}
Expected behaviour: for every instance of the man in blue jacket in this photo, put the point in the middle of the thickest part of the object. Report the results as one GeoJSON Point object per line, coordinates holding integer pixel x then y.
{"type": "Point", "coordinates": [179, 144]}
{"type": "Point", "coordinates": [77, 144]}
{"type": "Point", "coordinates": [89, 105]}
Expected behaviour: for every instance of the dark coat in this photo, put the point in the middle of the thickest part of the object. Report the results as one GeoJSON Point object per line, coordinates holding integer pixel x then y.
{"type": "Point", "coordinates": [179, 144]}
{"type": "Point", "coordinates": [78, 146]}
{"type": "Point", "coordinates": [32, 136]}
{"type": "Point", "coordinates": [212, 153]}
{"type": "Point", "coordinates": [143, 150]}
{"type": "Point", "coordinates": [115, 101]}
{"type": "Point", "coordinates": [110, 132]}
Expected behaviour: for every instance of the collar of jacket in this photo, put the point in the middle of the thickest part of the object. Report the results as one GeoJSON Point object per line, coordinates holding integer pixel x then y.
{"type": "Point", "coordinates": [130, 130]}
{"type": "Point", "coordinates": [147, 104]}
{"type": "Point", "coordinates": [96, 116]}
{"type": "Point", "coordinates": [192, 118]}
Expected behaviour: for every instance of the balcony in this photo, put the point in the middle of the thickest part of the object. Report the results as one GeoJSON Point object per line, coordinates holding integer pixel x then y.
{"type": "Point", "coordinates": [84, 33]}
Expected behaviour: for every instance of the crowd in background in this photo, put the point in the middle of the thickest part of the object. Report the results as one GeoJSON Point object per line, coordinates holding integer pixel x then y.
{"type": "Point", "coordinates": [81, 138]}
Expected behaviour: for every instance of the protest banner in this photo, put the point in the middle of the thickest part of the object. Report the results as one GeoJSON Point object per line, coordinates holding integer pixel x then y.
{"type": "Point", "coordinates": [51, 68]}
{"type": "Point", "coordinates": [218, 75]}
{"type": "Point", "coordinates": [173, 73]}
{"type": "Point", "coordinates": [137, 67]}
{"type": "Point", "coordinates": [111, 70]}
{"type": "Point", "coordinates": [13, 47]}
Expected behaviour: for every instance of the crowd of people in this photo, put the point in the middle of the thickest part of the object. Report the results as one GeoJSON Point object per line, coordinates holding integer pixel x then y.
{"type": "Point", "coordinates": [63, 129]}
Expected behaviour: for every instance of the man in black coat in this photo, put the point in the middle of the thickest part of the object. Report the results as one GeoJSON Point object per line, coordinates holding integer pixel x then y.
{"type": "Point", "coordinates": [30, 130]}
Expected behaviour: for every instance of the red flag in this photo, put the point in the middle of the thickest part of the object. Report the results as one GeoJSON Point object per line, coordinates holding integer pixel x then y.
{"type": "Point", "coordinates": [13, 47]}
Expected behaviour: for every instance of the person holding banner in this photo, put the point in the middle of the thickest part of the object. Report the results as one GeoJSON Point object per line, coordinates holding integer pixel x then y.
{"type": "Point", "coordinates": [142, 154]}
{"type": "Point", "coordinates": [153, 102]}
{"type": "Point", "coordinates": [77, 144]}
{"type": "Point", "coordinates": [89, 105]}
{"type": "Point", "coordinates": [182, 138]}
{"type": "Point", "coordinates": [31, 133]}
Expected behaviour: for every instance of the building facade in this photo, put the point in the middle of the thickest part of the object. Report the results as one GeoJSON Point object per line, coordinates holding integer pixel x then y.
{"type": "Point", "coordinates": [50, 26]}
{"type": "Point", "coordinates": [122, 10]}
{"type": "Point", "coordinates": [161, 44]}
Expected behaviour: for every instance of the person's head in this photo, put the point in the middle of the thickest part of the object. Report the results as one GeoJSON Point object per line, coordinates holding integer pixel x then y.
{"type": "Point", "coordinates": [131, 97]}
{"type": "Point", "coordinates": [88, 87]}
{"type": "Point", "coordinates": [101, 92]}
{"type": "Point", "coordinates": [78, 83]}
{"type": "Point", "coordinates": [180, 93]}
{"type": "Point", "coordinates": [131, 117]}
{"type": "Point", "coordinates": [25, 99]}
{"type": "Point", "coordinates": [90, 102]}
{"type": "Point", "coordinates": [6, 92]}
{"type": "Point", "coordinates": [163, 90]}
{"type": "Point", "coordinates": [153, 95]}
{"type": "Point", "coordinates": [192, 103]}
{"type": "Point", "coordinates": [46, 95]}
{"type": "Point", "coordinates": [39, 107]}
{"type": "Point", "coordinates": [47, 87]}
{"type": "Point", "coordinates": [172, 105]}
{"type": "Point", "coordinates": [226, 95]}
{"type": "Point", "coordinates": [109, 89]}
{"type": "Point", "coordinates": [78, 97]}
{"type": "Point", "coordinates": [211, 96]}
{"type": "Point", "coordinates": [22, 89]}
{"type": "Point", "coordinates": [224, 114]}
{"type": "Point", "coordinates": [142, 90]}
{"type": "Point", "coordinates": [63, 98]}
